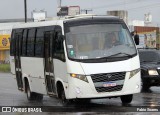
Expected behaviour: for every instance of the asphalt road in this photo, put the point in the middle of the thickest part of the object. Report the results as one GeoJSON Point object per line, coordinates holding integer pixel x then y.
{"type": "Point", "coordinates": [10, 96]}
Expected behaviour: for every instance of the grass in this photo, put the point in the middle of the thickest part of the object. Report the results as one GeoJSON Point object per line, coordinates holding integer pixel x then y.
{"type": "Point", "coordinates": [4, 68]}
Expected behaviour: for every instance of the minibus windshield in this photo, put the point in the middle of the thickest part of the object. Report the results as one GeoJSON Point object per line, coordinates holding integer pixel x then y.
{"type": "Point", "coordinates": [98, 41]}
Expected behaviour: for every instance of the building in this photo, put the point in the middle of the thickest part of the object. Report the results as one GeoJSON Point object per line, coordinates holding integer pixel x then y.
{"type": "Point", "coordinates": [136, 23]}
{"type": "Point", "coordinates": [149, 36]}
{"type": "Point", "coordinates": [5, 34]}
{"type": "Point", "coordinates": [123, 14]}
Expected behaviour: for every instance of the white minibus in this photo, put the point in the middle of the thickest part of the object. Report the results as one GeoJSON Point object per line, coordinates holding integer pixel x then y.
{"type": "Point", "coordinates": [78, 57]}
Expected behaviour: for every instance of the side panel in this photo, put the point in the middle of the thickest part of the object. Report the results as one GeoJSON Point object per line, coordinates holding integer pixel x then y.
{"type": "Point", "coordinates": [60, 70]}
{"type": "Point", "coordinates": [34, 69]}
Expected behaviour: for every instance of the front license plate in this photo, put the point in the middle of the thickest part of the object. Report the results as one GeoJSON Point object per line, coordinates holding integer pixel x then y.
{"type": "Point", "coordinates": [109, 84]}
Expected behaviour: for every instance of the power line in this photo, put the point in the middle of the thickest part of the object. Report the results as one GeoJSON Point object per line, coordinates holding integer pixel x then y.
{"type": "Point", "coordinates": [147, 6]}
{"type": "Point", "coordinates": [110, 5]}
{"type": "Point", "coordinates": [120, 4]}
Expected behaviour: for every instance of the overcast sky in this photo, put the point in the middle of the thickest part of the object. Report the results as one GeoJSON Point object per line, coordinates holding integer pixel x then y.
{"type": "Point", "coordinates": [11, 9]}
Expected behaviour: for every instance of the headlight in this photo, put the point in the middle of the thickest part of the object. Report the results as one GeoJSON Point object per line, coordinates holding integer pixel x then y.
{"type": "Point", "coordinates": [81, 77]}
{"type": "Point", "coordinates": [152, 72]}
{"type": "Point", "coordinates": [134, 72]}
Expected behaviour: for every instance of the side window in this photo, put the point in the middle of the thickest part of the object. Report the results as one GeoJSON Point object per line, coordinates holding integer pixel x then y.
{"type": "Point", "coordinates": [16, 44]}
{"type": "Point", "coordinates": [12, 47]}
{"type": "Point", "coordinates": [24, 42]}
{"type": "Point", "coordinates": [39, 43]}
{"type": "Point", "coordinates": [20, 35]}
{"type": "Point", "coordinates": [30, 42]}
{"type": "Point", "coordinates": [58, 51]}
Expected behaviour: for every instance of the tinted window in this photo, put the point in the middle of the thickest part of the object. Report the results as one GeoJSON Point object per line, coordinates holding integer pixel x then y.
{"type": "Point", "coordinates": [12, 47]}
{"type": "Point", "coordinates": [20, 35]}
{"type": "Point", "coordinates": [58, 51]}
{"type": "Point", "coordinates": [39, 42]}
{"type": "Point", "coordinates": [24, 42]}
{"type": "Point", "coordinates": [16, 44]}
{"type": "Point", "coordinates": [30, 42]}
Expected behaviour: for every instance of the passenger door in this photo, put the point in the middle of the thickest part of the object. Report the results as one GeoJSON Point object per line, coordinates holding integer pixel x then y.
{"type": "Point", "coordinates": [18, 47]}
{"type": "Point", "coordinates": [48, 59]}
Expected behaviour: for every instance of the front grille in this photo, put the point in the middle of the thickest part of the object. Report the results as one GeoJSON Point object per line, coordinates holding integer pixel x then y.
{"type": "Point", "coordinates": [109, 89]}
{"type": "Point", "coordinates": [108, 77]}
{"type": "Point", "coordinates": [100, 79]}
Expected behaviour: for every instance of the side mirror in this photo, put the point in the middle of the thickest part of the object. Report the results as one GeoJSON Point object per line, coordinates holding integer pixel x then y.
{"type": "Point", "coordinates": [136, 39]}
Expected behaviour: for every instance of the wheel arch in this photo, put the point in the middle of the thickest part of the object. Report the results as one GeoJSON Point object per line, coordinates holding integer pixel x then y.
{"type": "Point", "coordinates": [59, 86]}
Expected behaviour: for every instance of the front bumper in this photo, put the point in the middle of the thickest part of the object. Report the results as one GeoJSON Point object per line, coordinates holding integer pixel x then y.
{"type": "Point", "coordinates": [80, 89]}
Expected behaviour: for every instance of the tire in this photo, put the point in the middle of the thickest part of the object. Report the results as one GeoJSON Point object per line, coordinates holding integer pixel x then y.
{"type": "Point", "coordinates": [83, 101]}
{"type": "Point", "coordinates": [39, 97]}
{"type": "Point", "coordinates": [145, 87]}
{"type": "Point", "coordinates": [126, 99]}
{"type": "Point", "coordinates": [63, 98]}
{"type": "Point", "coordinates": [31, 95]}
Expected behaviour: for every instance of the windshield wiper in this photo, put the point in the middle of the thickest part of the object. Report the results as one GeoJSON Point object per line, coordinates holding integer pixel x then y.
{"type": "Point", "coordinates": [128, 55]}
{"type": "Point", "coordinates": [147, 61]}
{"type": "Point", "coordinates": [106, 59]}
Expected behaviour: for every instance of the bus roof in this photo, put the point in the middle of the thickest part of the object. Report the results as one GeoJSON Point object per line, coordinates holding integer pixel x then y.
{"type": "Point", "coordinates": [53, 21]}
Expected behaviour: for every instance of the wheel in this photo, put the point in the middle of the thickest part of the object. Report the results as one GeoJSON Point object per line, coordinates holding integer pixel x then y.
{"type": "Point", "coordinates": [63, 98]}
{"type": "Point", "coordinates": [145, 87]}
{"type": "Point", "coordinates": [126, 99]}
{"type": "Point", "coordinates": [83, 101]}
{"type": "Point", "coordinates": [31, 95]}
{"type": "Point", "coordinates": [39, 97]}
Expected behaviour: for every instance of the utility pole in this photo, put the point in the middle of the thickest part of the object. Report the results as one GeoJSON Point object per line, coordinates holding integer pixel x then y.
{"type": "Point", "coordinates": [59, 3]}
{"type": "Point", "coordinates": [25, 10]}
{"type": "Point", "coordinates": [86, 10]}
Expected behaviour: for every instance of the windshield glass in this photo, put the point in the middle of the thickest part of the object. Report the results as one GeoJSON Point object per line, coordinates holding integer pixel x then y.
{"type": "Point", "coordinates": [149, 56]}
{"type": "Point", "coordinates": [99, 41]}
